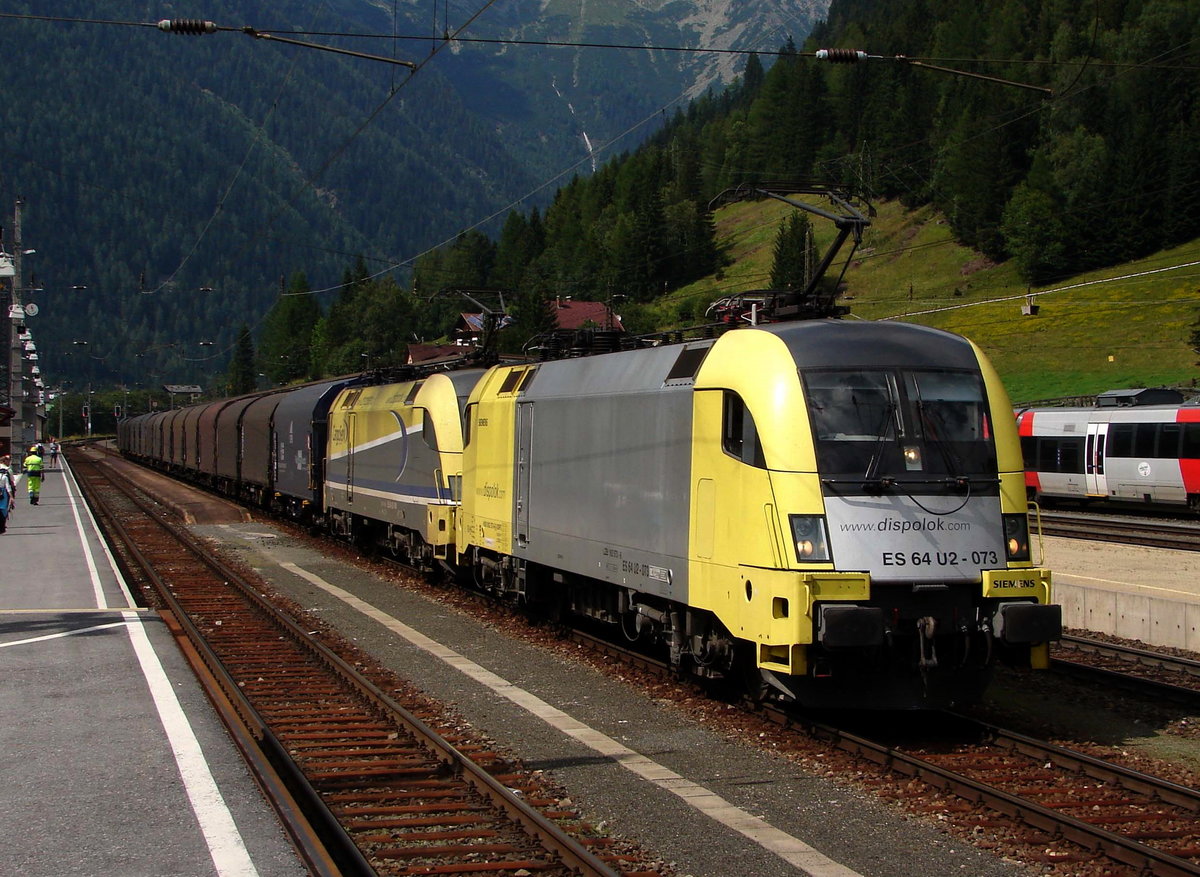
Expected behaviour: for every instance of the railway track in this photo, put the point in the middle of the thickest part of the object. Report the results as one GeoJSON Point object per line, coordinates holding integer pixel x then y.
{"type": "Point", "coordinates": [1155, 675]}
{"type": "Point", "coordinates": [363, 783]}
{"type": "Point", "coordinates": [1082, 807]}
{"type": "Point", "coordinates": [1149, 532]}
{"type": "Point", "coordinates": [1103, 809]}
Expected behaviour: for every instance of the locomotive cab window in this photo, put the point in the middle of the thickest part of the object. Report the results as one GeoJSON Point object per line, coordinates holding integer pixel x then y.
{"type": "Point", "coordinates": [739, 437]}
{"type": "Point", "coordinates": [906, 425]}
{"type": "Point", "coordinates": [469, 423]}
{"type": "Point", "coordinates": [428, 430]}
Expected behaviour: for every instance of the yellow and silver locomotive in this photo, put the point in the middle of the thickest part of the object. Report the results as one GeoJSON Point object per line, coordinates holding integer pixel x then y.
{"type": "Point", "coordinates": [837, 507]}
{"type": "Point", "coordinates": [393, 465]}
{"type": "Point", "coordinates": [834, 510]}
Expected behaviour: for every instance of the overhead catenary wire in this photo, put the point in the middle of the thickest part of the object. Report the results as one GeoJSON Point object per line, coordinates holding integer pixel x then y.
{"type": "Point", "coordinates": [198, 27]}
{"type": "Point", "coordinates": [202, 27]}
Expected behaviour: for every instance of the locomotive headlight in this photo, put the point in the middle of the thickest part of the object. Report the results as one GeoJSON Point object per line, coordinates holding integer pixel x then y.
{"type": "Point", "coordinates": [1016, 536]}
{"type": "Point", "coordinates": [810, 539]}
{"type": "Point", "coordinates": [912, 458]}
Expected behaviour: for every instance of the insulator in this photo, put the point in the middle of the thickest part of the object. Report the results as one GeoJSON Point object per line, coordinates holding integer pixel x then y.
{"type": "Point", "coordinates": [841, 56]}
{"type": "Point", "coordinates": [190, 26]}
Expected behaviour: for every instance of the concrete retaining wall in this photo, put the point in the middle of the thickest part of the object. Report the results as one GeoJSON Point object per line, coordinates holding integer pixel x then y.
{"type": "Point", "coordinates": [1139, 615]}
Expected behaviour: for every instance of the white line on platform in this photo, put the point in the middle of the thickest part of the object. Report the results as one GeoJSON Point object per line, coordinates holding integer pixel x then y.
{"type": "Point", "coordinates": [77, 502]}
{"type": "Point", "coordinates": [38, 639]}
{"type": "Point", "coordinates": [789, 848]}
{"type": "Point", "coordinates": [225, 843]}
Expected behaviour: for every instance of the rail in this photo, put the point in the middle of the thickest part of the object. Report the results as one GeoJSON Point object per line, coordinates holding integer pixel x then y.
{"type": "Point", "coordinates": [362, 784]}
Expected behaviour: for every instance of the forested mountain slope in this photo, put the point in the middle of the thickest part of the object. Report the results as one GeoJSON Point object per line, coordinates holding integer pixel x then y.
{"type": "Point", "coordinates": [1053, 138]}
{"type": "Point", "coordinates": [180, 177]}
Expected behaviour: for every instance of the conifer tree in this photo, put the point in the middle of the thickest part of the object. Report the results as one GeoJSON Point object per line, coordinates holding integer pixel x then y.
{"type": "Point", "coordinates": [795, 253]}
{"type": "Point", "coordinates": [241, 374]}
{"type": "Point", "coordinates": [285, 347]}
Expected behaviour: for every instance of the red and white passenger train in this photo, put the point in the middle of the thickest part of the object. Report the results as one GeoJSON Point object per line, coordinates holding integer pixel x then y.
{"type": "Point", "coordinates": [1133, 446]}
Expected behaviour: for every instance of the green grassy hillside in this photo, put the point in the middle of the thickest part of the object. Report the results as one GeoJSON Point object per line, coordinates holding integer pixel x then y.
{"type": "Point", "coordinates": [1122, 327]}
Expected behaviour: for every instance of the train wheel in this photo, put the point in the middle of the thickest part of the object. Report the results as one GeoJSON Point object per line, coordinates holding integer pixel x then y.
{"type": "Point", "coordinates": [753, 684]}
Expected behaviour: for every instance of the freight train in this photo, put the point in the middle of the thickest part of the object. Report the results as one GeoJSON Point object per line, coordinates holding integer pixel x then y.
{"type": "Point", "coordinates": [1132, 447]}
{"type": "Point", "coordinates": [832, 510]}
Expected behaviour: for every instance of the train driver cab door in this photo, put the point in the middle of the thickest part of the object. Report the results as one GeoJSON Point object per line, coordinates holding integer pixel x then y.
{"type": "Point", "coordinates": [524, 464]}
{"type": "Point", "coordinates": [1093, 459]}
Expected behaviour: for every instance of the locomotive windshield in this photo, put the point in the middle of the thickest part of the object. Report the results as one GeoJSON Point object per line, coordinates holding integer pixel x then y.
{"type": "Point", "coordinates": [885, 424]}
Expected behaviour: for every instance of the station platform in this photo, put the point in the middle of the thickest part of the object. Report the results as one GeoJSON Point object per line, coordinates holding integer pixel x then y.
{"type": "Point", "coordinates": [1147, 594]}
{"type": "Point", "coordinates": [114, 762]}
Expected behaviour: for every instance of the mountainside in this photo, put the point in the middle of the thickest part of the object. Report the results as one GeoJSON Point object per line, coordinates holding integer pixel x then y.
{"type": "Point", "coordinates": [179, 177]}
{"type": "Point", "coordinates": [1128, 325]}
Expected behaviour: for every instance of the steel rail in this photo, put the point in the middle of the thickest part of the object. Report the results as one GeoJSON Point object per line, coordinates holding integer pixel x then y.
{"type": "Point", "coordinates": [1115, 846]}
{"type": "Point", "coordinates": [1151, 532]}
{"type": "Point", "coordinates": [571, 853]}
{"type": "Point", "coordinates": [315, 832]}
{"type": "Point", "coordinates": [1133, 654]}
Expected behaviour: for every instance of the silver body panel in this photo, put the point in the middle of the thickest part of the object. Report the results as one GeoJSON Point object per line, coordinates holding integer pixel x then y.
{"type": "Point", "coordinates": [603, 471]}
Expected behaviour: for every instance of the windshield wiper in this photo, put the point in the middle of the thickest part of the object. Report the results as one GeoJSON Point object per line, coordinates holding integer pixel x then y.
{"type": "Point", "coordinates": [949, 458]}
{"type": "Point", "coordinates": [886, 425]}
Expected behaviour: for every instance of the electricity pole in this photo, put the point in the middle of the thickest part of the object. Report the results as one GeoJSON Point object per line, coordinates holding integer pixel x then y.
{"type": "Point", "coordinates": [16, 348]}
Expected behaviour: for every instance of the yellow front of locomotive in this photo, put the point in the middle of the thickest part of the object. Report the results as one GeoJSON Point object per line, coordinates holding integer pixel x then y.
{"type": "Point", "coordinates": [858, 514]}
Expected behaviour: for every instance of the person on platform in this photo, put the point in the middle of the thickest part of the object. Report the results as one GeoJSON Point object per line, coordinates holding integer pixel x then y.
{"type": "Point", "coordinates": [8, 492]}
{"type": "Point", "coordinates": [33, 472]}
{"type": "Point", "coordinates": [54, 453]}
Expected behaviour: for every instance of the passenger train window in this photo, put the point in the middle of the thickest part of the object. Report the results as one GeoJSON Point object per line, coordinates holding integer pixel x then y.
{"type": "Point", "coordinates": [1144, 435]}
{"type": "Point", "coordinates": [1166, 441]}
{"type": "Point", "coordinates": [1120, 440]}
{"type": "Point", "coordinates": [1029, 450]}
{"type": "Point", "coordinates": [1191, 441]}
{"type": "Point", "coordinates": [739, 437]}
{"type": "Point", "coordinates": [1170, 436]}
{"type": "Point", "coordinates": [1059, 455]}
